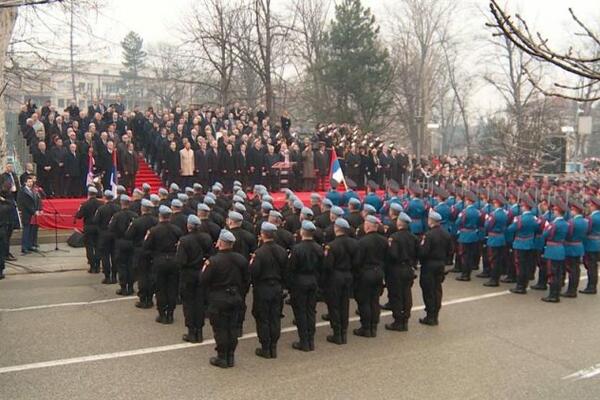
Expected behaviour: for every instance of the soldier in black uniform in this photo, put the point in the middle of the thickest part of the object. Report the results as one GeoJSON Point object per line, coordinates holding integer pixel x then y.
{"type": "Point", "coordinates": [141, 258]}
{"type": "Point", "coordinates": [6, 216]}
{"type": "Point", "coordinates": [178, 218]}
{"type": "Point", "coordinates": [268, 268]}
{"type": "Point", "coordinates": [118, 225]}
{"type": "Point", "coordinates": [225, 276]}
{"type": "Point", "coordinates": [369, 277]}
{"type": "Point", "coordinates": [323, 220]}
{"type": "Point", "coordinates": [305, 265]}
{"type": "Point", "coordinates": [193, 249]}
{"type": "Point", "coordinates": [162, 242]}
{"type": "Point", "coordinates": [282, 237]}
{"type": "Point", "coordinates": [354, 217]}
{"type": "Point", "coordinates": [292, 221]}
{"type": "Point", "coordinates": [245, 244]}
{"type": "Point", "coordinates": [136, 201]}
{"type": "Point", "coordinates": [339, 263]}
{"type": "Point", "coordinates": [105, 248]}
{"type": "Point", "coordinates": [207, 225]}
{"type": "Point", "coordinates": [86, 211]}
{"type": "Point", "coordinates": [400, 266]}
{"type": "Point", "coordinates": [434, 250]}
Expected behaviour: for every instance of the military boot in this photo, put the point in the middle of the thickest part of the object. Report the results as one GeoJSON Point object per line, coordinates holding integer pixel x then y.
{"type": "Point", "coordinates": [264, 351]}
{"type": "Point", "coordinates": [230, 359]}
{"type": "Point", "coordinates": [219, 361]}
{"type": "Point", "coordinates": [191, 336]}
{"type": "Point", "coordinates": [169, 317]}
{"type": "Point", "coordinates": [363, 331]}
{"type": "Point", "coordinates": [162, 317]}
{"type": "Point", "coordinates": [336, 338]}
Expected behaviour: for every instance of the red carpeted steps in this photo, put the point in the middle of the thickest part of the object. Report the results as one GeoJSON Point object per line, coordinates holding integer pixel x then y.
{"type": "Point", "coordinates": [146, 174]}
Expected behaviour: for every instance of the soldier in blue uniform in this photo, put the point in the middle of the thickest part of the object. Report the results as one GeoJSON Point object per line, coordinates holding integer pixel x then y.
{"type": "Point", "coordinates": [546, 216]}
{"type": "Point", "coordinates": [417, 211]}
{"type": "Point", "coordinates": [333, 195]}
{"type": "Point", "coordinates": [371, 198]}
{"type": "Point", "coordinates": [495, 227]}
{"type": "Point", "coordinates": [468, 236]}
{"type": "Point", "coordinates": [592, 247]}
{"type": "Point", "coordinates": [514, 210]}
{"type": "Point", "coordinates": [485, 209]}
{"type": "Point", "coordinates": [555, 234]}
{"type": "Point", "coordinates": [524, 228]}
{"type": "Point", "coordinates": [457, 208]}
{"type": "Point", "coordinates": [442, 207]}
{"type": "Point", "coordinates": [574, 250]}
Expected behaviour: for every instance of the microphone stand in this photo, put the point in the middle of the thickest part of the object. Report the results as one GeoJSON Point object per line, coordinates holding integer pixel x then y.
{"type": "Point", "coordinates": [56, 248]}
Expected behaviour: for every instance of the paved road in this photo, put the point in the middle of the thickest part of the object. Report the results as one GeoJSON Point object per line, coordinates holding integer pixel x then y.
{"type": "Point", "coordinates": [65, 336]}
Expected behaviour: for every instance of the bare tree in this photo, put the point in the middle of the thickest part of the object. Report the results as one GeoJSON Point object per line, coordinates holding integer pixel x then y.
{"type": "Point", "coordinates": [419, 31]}
{"type": "Point", "coordinates": [170, 68]}
{"type": "Point", "coordinates": [259, 41]}
{"type": "Point", "coordinates": [209, 26]}
{"type": "Point", "coordinates": [516, 30]}
{"type": "Point", "coordinates": [8, 18]}
{"type": "Point", "coordinates": [308, 47]}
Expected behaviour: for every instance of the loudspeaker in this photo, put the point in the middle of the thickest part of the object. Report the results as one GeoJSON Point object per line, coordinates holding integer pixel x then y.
{"type": "Point", "coordinates": [554, 155]}
{"type": "Point", "coordinates": [75, 240]}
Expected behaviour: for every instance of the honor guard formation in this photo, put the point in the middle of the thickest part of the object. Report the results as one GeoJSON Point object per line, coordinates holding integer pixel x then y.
{"type": "Point", "coordinates": [206, 248]}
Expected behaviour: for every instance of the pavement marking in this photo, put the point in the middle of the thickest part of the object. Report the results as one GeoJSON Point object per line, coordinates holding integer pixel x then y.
{"type": "Point", "coordinates": [160, 349]}
{"type": "Point", "coordinates": [586, 373]}
{"type": "Point", "coordinates": [78, 303]}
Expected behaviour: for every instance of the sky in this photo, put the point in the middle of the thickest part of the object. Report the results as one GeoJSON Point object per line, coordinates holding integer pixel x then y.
{"type": "Point", "coordinates": [159, 21]}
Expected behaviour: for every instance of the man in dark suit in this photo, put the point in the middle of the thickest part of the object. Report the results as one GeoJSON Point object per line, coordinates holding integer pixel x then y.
{"type": "Point", "coordinates": [58, 153]}
{"type": "Point", "coordinates": [322, 166]}
{"type": "Point", "coordinates": [10, 180]}
{"type": "Point", "coordinates": [29, 203]}
{"type": "Point", "coordinates": [128, 167]}
{"type": "Point", "coordinates": [43, 164]}
{"type": "Point", "coordinates": [73, 172]}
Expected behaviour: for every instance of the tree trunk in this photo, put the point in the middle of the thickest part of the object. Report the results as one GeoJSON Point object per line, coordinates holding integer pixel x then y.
{"type": "Point", "coordinates": [8, 17]}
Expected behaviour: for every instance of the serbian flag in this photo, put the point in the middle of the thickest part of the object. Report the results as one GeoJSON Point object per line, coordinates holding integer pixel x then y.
{"type": "Point", "coordinates": [91, 162]}
{"type": "Point", "coordinates": [335, 170]}
{"type": "Point", "coordinates": [113, 172]}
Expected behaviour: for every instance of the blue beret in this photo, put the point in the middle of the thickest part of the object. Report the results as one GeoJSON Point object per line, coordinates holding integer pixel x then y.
{"type": "Point", "coordinates": [306, 211]}
{"type": "Point", "coordinates": [434, 216]}
{"type": "Point", "coordinates": [404, 217]}
{"type": "Point", "coordinates": [315, 196]}
{"type": "Point", "coordinates": [164, 210]}
{"type": "Point", "coordinates": [203, 207]}
{"type": "Point", "coordinates": [396, 207]}
{"type": "Point", "coordinates": [108, 194]}
{"type": "Point", "coordinates": [163, 191]}
{"type": "Point", "coordinates": [268, 227]}
{"type": "Point", "coordinates": [219, 185]}
{"type": "Point", "coordinates": [266, 205]}
{"type": "Point", "coordinates": [147, 203]}
{"type": "Point", "coordinates": [121, 188]}
{"type": "Point", "coordinates": [372, 219]}
{"type": "Point", "coordinates": [137, 191]}
{"type": "Point", "coordinates": [189, 190]}
{"type": "Point", "coordinates": [335, 210]}
{"type": "Point", "coordinates": [209, 201]}
{"type": "Point", "coordinates": [298, 204]}
{"type": "Point", "coordinates": [183, 197]}
{"type": "Point", "coordinates": [235, 216]}
{"type": "Point", "coordinates": [197, 186]}
{"type": "Point", "coordinates": [154, 197]}
{"type": "Point", "coordinates": [146, 186]}
{"type": "Point", "coordinates": [342, 223]}
{"type": "Point", "coordinates": [176, 203]}
{"type": "Point", "coordinates": [239, 207]}
{"type": "Point", "coordinates": [237, 183]}
{"type": "Point", "coordinates": [216, 188]}
{"type": "Point", "coordinates": [241, 194]}
{"type": "Point", "coordinates": [193, 220]}
{"type": "Point", "coordinates": [92, 190]}
{"type": "Point", "coordinates": [308, 226]}
{"type": "Point", "coordinates": [268, 198]}
{"type": "Point", "coordinates": [211, 195]}
{"type": "Point", "coordinates": [327, 203]}
{"type": "Point", "coordinates": [275, 214]}
{"type": "Point", "coordinates": [369, 209]}
{"type": "Point", "coordinates": [226, 236]}
{"type": "Point", "coordinates": [124, 198]}
{"type": "Point", "coordinates": [354, 201]}
{"type": "Point", "coordinates": [237, 199]}
{"type": "Point", "coordinates": [174, 187]}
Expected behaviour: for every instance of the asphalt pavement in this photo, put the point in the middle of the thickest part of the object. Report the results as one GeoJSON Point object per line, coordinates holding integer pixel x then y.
{"type": "Point", "coordinates": [66, 336]}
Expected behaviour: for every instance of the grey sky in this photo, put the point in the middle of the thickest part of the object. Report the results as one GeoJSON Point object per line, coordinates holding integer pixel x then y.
{"type": "Point", "coordinates": [158, 21]}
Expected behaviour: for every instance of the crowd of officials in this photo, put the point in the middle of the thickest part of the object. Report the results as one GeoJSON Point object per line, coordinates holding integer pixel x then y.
{"type": "Point", "coordinates": [203, 144]}
{"type": "Point", "coordinates": [208, 249]}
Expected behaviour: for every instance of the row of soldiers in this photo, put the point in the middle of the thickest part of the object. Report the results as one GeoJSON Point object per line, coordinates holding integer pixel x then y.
{"type": "Point", "coordinates": [210, 249]}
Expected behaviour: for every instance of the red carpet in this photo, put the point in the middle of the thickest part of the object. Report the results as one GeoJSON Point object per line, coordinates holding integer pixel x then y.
{"type": "Point", "coordinates": [146, 174]}
{"type": "Point", "coordinates": [66, 209]}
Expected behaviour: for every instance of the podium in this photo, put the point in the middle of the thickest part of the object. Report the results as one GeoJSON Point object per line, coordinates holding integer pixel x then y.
{"type": "Point", "coordinates": [284, 169]}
